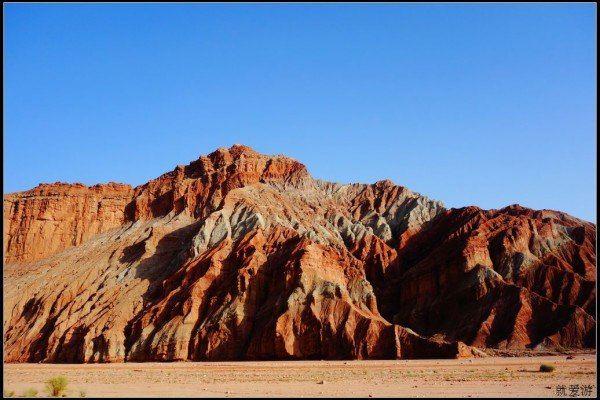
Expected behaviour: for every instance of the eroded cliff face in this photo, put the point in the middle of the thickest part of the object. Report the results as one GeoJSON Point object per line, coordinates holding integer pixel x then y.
{"type": "Point", "coordinates": [510, 278]}
{"type": "Point", "coordinates": [53, 217]}
{"type": "Point", "coordinates": [244, 256]}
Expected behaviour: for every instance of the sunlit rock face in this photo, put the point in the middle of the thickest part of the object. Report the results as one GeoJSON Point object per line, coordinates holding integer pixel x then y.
{"type": "Point", "coordinates": [242, 256]}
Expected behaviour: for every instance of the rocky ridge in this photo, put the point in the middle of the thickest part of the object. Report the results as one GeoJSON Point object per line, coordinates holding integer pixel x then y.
{"type": "Point", "coordinates": [239, 256]}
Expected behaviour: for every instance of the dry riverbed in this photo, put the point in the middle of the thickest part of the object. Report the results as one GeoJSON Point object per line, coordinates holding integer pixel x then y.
{"type": "Point", "coordinates": [491, 376]}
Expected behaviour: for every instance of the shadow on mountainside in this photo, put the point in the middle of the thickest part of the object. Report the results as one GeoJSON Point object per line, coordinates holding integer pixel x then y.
{"type": "Point", "coordinates": [170, 252]}
{"type": "Point", "coordinates": [169, 255]}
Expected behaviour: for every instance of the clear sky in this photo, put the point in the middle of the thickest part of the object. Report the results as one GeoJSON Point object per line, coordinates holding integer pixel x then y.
{"type": "Point", "coordinates": [470, 104]}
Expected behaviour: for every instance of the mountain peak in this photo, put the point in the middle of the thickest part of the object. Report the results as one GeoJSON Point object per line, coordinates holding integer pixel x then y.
{"type": "Point", "coordinates": [267, 263]}
{"type": "Point", "coordinates": [236, 151]}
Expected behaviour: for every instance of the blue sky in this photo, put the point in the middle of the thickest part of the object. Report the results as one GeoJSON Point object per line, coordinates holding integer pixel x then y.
{"type": "Point", "coordinates": [478, 104]}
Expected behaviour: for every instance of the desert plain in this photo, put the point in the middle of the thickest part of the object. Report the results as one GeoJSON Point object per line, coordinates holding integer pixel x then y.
{"type": "Point", "coordinates": [475, 377]}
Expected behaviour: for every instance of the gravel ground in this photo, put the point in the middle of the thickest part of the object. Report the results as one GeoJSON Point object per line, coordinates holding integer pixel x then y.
{"type": "Point", "coordinates": [491, 376]}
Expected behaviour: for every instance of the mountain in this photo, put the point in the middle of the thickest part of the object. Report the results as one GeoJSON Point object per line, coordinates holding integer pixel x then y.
{"type": "Point", "coordinates": [242, 256]}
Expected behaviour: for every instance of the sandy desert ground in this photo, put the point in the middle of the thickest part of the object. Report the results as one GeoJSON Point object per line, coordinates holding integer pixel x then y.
{"type": "Point", "coordinates": [492, 376]}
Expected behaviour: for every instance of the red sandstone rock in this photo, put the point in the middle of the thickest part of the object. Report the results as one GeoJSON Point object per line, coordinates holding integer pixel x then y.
{"type": "Point", "coordinates": [510, 278]}
{"type": "Point", "coordinates": [53, 217]}
{"type": "Point", "coordinates": [244, 256]}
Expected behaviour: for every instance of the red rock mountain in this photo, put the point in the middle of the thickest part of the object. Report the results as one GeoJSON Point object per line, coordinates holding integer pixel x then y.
{"type": "Point", "coordinates": [241, 256]}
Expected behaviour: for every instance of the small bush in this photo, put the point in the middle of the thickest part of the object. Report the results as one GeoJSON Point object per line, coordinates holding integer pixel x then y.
{"type": "Point", "coordinates": [547, 368]}
{"type": "Point", "coordinates": [56, 386]}
{"type": "Point", "coordinates": [82, 394]}
{"type": "Point", "coordinates": [8, 393]}
{"type": "Point", "coordinates": [31, 392]}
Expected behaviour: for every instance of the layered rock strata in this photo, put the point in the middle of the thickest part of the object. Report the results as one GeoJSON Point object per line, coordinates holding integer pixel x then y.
{"type": "Point", "coordinates": [242, 256]}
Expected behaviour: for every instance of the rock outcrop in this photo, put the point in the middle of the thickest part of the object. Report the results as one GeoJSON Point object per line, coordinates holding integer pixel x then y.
{"type": "Point", "coordinates": [510, 278]}
{"type": "Point", "coordinates": [53, 217]}
{"type": "Point", "coordinates": [241, 256]}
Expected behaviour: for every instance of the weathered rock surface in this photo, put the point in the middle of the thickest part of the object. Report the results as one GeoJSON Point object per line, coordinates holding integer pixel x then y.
{"type": "Point", "coordinates": [244, 256]}
{"type": "Point", "coordinates": [510, 278]}
{"type": "Point", "coordinates": [53, 217]}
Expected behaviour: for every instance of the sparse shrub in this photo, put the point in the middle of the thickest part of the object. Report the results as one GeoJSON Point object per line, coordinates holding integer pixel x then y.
{"type": "Point", "coordinates": [82, 394]}
{"type": "Point", "coordinates": [56, 386]}
{"type": "Point", "coordinates": [547, 368]}
{"type": "Point", "coordinates": [8, 393]}
{"type": "Point", "coordinates": [31, 392]}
